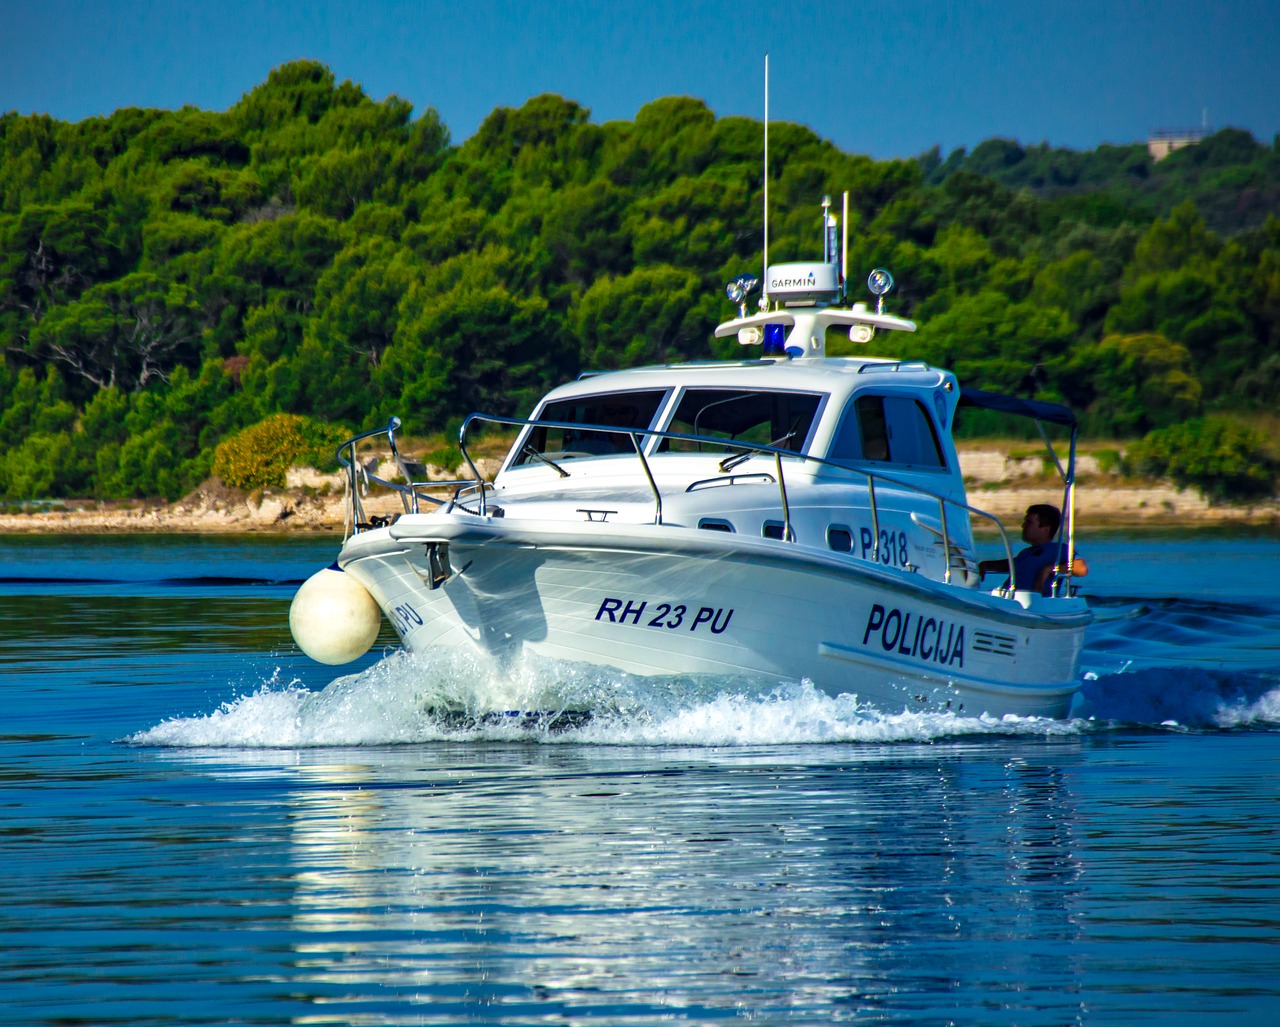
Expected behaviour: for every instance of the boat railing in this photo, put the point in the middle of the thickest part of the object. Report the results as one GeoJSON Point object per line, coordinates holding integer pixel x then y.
{"type": "Point", "coordinates": [637, 437]}
{"type": "Point", "coordinates": [412, 492]}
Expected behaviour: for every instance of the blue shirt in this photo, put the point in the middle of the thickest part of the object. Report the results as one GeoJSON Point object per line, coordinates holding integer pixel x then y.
{"type": "Point", "coordinates": [1028, 564]}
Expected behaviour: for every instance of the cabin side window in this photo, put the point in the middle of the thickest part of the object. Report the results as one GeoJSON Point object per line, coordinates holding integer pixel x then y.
{"type": "Point", "coordinates": [613, 409]}
{"type": "Point", "coordinates": [887, 429]}
{"type": "Point", "coordinates": [781, 419]}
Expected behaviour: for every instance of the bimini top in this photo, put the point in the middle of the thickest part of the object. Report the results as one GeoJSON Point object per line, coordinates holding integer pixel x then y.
{"type": "Point", "coordinates": [1039, 410]}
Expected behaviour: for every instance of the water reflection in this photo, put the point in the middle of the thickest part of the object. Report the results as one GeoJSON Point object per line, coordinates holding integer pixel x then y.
{"type": "Point", "coordinates": [784, 882]}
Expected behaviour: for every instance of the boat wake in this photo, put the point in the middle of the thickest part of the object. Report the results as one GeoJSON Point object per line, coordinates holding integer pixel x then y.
{"type": "Point", "coordinates": [1189, 663]}
{"type": "Point", "coordinates": [446, 696]}
{"type": "Point", "coordinates": [1184, 698]}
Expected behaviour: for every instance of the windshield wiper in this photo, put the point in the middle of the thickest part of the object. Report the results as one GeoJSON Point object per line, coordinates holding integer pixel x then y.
{"type": "Point", "coordinates": [730, 462]}
{"type": "Point", "coordinates": [531, 452]}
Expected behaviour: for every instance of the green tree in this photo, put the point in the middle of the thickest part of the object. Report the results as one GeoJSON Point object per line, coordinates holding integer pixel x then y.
{"type": "Point", "coordinates": [1140, 382]}
{"type": "Point", "coordinates": [464, 342]}
{"type": "Point", "coordinates": [32, 403]}
{"type": "Point", "coordinates": [357, 311]}
{"type": "Point", "coordinates": [49, 255]}
{"type": "Point", "coordinates": [993, 342]}
{"type": "Point", "coordinates": [123, 333]}
{"type": "Point", "coordinates": [300, 89]}
{"type": "Point", "coordinates": [1222, 459]}
{"type": "Point", "coordinates": [963, 258]}
{"type": "Point", "coordinates": [581, 232]}
{"type": "Point", "coordinates": [37, 468]}
{"type": "Point", "coordinates": [653, 315]}
{"type": "Point", "coordinates": [1079, 283]}
{"type": "Point", "coordinates": [1180, 241]}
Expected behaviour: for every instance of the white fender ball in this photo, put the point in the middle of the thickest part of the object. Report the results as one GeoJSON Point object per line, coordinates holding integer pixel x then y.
{"type": "Point", "coordinates": [333, 617]}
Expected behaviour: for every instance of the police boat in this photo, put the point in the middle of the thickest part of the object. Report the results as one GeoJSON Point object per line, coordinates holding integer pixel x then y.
{"type": "Point", "coordinates": [785, 517]}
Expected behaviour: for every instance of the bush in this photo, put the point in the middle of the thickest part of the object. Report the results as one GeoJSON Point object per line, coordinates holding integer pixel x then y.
{"type": "Point", "coordinates": [1109, 461]}
{"type": "Point", "coordinates": [1221, 458]}
{"type": "Point", "coordinates": [259, 456]}
{"type": "Point", "coordinates": [31, 470]}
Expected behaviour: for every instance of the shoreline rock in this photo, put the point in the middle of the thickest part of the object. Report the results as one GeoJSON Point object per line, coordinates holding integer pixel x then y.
{"type": "Point", "coordinates": [316, 503]}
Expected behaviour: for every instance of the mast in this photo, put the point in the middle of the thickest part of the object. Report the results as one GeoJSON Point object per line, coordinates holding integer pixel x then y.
{"type": "Point", "coordinates": [764, 278]}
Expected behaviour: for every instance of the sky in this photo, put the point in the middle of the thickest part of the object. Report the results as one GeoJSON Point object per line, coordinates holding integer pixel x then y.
{"type": "Point", "coordinates": [884, 79]}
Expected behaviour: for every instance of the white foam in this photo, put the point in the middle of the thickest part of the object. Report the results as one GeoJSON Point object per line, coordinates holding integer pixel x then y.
{"type": "Point", "coordinates": [398, 700]}
{"type": "Point", "coordinates": [1263, 710]}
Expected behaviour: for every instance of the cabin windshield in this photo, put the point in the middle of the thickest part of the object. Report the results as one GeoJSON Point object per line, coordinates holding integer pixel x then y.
{"type": "Point", "coordinates": [615, 409]}
{"type": "Point", "coordinates": [781, 419]}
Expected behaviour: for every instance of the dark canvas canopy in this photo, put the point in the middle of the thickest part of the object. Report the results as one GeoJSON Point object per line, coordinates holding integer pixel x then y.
{"type": "Point", "coordinates": [1054, 413]}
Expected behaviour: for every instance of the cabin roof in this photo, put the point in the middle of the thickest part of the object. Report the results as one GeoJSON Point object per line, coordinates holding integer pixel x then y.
{"type": "Point", "coordinates": [836, 375]}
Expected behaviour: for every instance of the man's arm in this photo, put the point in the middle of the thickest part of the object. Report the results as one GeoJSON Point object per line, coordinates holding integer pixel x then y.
{"type": "Point", "coordinates": [1078, 570]}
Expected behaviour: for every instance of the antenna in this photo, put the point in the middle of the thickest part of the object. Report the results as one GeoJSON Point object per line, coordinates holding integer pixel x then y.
{"type": "Point", "coordinates": [844, 245]}
{"type": "Point", "coordinates": [764, 278]}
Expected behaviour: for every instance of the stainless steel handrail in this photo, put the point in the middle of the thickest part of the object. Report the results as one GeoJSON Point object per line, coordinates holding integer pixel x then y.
{"type": "Point", "coordinates": [412, 492]}
{"type": "Point", "coordinates": [653, 485]}
{"type": "Point", "coordinates": [635, 434]}
{"type": "Point", "coordinates": [749, 447]}
{"type": "Point", "coordinates": [946, 543]}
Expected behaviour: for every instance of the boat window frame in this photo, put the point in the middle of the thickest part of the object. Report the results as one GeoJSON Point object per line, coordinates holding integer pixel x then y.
{"type": "Point", "coordinates": [851, 412]}
{"type": "Point", "coordinates": [846, 529]}
{"type": "Point", "coordinates": [774, 529]}
{"type": "Point", "coordinates": [654, 443]}
{"type": "Point", "coordinates": [514, 455]}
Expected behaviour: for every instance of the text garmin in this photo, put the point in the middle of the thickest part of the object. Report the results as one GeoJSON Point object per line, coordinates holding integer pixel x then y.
{"type": "Point", "coordinates": [672, 616]}
{"type": "Point", "coordinates": [910, 634]}
{"type": "Point", "coordinates": [789, 283]}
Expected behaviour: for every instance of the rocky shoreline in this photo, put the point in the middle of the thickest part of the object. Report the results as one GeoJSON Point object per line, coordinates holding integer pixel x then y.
{"type": "Point", "coordinates": [312, 502]}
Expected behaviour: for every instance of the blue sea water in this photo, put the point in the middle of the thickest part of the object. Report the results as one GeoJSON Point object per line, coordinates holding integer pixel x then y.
{"type": "Point", "coordinates": [198, 825]}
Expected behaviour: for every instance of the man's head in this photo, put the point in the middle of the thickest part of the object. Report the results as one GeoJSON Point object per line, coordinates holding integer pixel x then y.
{"type": "Point", "coordinates": [1040, 524]}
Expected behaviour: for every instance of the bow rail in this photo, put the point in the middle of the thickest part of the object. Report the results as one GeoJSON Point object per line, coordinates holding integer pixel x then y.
{"type": "Point", "coordinates": [471, 494]}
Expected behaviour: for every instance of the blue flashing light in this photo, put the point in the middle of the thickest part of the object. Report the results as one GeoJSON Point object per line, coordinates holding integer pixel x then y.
{"type": "Point", "coordinates": [774, 341]}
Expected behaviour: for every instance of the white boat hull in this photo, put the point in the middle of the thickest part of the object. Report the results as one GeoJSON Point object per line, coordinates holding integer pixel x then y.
{"type": "Point", "coordinates": [665, 601]}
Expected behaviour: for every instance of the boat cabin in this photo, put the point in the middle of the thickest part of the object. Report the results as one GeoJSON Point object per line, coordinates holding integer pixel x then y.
{"type": "Point", "coordinates": [850, 455]}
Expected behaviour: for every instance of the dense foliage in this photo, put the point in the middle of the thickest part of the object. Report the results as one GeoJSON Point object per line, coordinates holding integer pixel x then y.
{"type": "Point", "coordinates": [169, 278]}
{"type": "Point", "coordinates": [1221, 458]}
{"type": "Point", "coordinates": [260, 456]}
